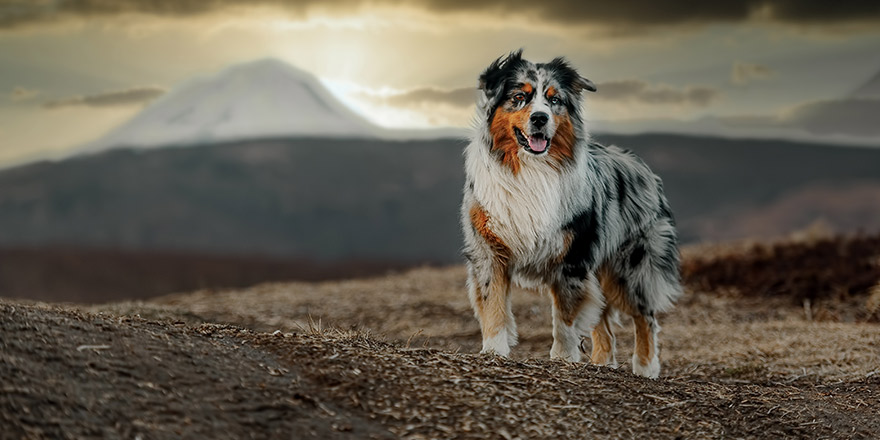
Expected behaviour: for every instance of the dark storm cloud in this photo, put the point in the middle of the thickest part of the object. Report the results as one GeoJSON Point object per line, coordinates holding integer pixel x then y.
{"type": "Point", "coordinates": [668, 12]}
{"type": "Point", "coordinates": [135, 95]}
{"type": "Point", "coordinates": [633, 90]}
{"type": "Point", "coordinates": [462, 97]}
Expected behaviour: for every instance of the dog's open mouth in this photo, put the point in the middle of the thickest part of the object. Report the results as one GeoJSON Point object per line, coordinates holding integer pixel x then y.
{"type": "Point", "coordinates": [535, 144]}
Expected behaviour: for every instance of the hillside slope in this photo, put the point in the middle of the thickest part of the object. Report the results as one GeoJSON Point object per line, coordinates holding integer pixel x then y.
{"type": "Point", "coordinates": [394, 357]}
{"type": "Point", "coordinates": [109, 375]}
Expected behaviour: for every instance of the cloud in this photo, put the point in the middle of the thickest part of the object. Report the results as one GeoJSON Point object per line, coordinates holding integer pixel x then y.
{"type": "Point", "coordinates": [852, 117]}
{"type": "Point", "coordinates": [20, 94]}
{"type": "Point", "coordinates": [15, 13]}
{"type": "Point", "coordinates": [743, 73]}
{"type": "Point", "coordinates": [134, 95]}
{"type": "Point", "coordinates": [462, 97]}
{"type": "Point", "coordinates": [633, 90]}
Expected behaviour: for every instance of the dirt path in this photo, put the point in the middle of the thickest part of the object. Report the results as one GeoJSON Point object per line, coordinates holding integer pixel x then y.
{"type": "Point", "coordinates": [67, 374]}
{"type": "Point", "coordinates": [72, 374]}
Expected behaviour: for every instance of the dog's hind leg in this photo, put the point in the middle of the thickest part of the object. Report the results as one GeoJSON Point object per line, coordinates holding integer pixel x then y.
{"type": "Point", "coordinates": [644, 280]}
{"type": "Point", "coordinates": [645, 360]}
{"type": "Point", "coordinates": [577, 307]}
{"type": "Point", "coordinates": [604, 342]}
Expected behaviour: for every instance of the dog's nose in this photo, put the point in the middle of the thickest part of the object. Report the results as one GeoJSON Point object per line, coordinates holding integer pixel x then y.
{"type": "Point", "coordinates": [539, 119]}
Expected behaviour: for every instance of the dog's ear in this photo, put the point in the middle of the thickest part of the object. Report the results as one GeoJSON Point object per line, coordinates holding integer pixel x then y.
{"type": "Point", "coordinates": [582, 84]}
{"type": "Point", "coordinates": [568, 75]}
{"type": "Point", "coordinates": [492, 79]}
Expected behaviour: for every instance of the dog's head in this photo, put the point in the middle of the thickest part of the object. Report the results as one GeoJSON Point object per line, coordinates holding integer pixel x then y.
{"type": "Point", "coordinates": [532, 108]}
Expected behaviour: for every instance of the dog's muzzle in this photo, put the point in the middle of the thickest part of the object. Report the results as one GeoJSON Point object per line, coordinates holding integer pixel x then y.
{"type": "Point", "coordinates": [536, 143]}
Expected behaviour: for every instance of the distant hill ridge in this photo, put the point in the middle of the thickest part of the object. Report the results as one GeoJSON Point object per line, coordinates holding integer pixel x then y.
{"type": "Point", "coordinates": [330, 199]}
{"type": "Point", "coordinates": [870, 89]}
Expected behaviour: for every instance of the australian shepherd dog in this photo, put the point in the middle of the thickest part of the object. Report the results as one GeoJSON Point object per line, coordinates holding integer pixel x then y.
{"type": "Point", "coordinates": [546, 208]}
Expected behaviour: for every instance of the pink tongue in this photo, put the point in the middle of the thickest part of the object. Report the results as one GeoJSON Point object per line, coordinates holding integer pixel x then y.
{"type": "Point", "coordinates": [537, 144]}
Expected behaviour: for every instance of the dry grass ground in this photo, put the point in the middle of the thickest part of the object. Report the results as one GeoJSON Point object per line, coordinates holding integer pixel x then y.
{"type": "Point", "coordinates": [395, 356]}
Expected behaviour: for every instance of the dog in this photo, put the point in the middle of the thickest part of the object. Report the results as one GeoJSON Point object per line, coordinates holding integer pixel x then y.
{"type": "Point", "coordinates": [547, 208]}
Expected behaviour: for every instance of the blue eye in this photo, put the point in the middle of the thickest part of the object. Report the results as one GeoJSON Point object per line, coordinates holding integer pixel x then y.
{"type": "Point", "coordinates": [555, 101]}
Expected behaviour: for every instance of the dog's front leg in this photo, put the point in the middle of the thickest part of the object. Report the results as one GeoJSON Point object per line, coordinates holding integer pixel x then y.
{"type": "Point", "coordinates": [577, 308]}
{"type": "Point", "coordinates": [489, 283]}
{"type": "Point", "coordinates": [489, 292]}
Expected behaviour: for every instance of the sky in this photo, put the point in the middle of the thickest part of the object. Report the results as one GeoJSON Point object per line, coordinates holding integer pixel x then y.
{"type": "Point", "coordinates": [72, 70]}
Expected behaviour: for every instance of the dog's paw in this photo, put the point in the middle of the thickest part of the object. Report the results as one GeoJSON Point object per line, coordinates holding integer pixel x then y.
{"type": "Point", "coordinates": [558, 351]}
{"type": "Point", "coordinates": [498, 345]}
{"type": "Point", "coordinates": [651, 370]}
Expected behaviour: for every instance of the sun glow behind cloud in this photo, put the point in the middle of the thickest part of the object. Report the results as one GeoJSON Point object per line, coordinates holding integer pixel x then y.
{"type": "Point", "coordinates": [374, 54]}
{"type": "Point", "coordinates": [358, 98]}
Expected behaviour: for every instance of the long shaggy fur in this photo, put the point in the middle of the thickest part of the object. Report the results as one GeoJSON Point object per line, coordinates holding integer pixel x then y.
{"type": "Point", "coordinates": [547, 208]}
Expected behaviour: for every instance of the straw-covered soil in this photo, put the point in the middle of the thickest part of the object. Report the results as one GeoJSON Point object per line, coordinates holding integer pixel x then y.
{"type": "Point", "coordinates": [396, 357]}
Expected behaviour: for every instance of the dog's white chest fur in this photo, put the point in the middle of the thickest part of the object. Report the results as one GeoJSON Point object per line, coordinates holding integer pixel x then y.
{"type": "Point", "coordinates": [526, 209]}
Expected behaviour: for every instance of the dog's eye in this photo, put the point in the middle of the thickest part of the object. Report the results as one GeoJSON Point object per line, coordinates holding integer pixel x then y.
{"type": "Point", "coordinates": [555, 101]}
{"type": "Point", "coordinates": [519, 97]}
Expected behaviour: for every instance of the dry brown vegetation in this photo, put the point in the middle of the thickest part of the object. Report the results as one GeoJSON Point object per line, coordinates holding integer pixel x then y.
{"type": "Point", "coordinates": [93, 275]}
{"type": "Point", "coordinates": [826, 269]}
{"type": "Point", "coordinates": [395, 357]}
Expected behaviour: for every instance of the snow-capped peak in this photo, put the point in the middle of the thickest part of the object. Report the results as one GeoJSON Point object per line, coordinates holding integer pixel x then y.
{"type": "Point", "coordinates": [260, 99]}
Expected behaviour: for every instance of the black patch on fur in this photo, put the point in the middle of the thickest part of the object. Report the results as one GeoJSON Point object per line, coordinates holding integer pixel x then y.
{"type": "Point", "coordinates": [669, 260]}
{"type": "Point", "coordinates": [582, 253]}
{"type": "Point", "coordinates": [571, 80]}
{"type": "Point", "coordinates": [499, 78]}
{"type": "Point", "coordinates": [637, 298]}
{"type": "Point", "coordinates": [665, 210]}
{"type": "Point", "coordinates": [637, 255]}
{"type": "Point", "coordinates": [621, 186]}
{"type": "Point", "coordinates": [597, 146]}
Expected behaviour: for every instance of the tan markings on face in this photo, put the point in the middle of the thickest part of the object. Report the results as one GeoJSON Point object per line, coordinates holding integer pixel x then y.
{"type": "Point", "coordinates": [504, 143]}
{"type": "Point", "coordinates": [562, 146]}
{"type": "Point", "coordinates": [527, 88]}
{"type": "Point", "coordinates": [551, 92]}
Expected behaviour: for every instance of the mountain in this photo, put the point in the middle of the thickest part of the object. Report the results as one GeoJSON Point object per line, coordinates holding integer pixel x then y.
{"type": "Point", "coordinates": [261, 99]}
{"type": "Point", "coordinates": [331, 199]}
{"type": "Point", "coordinates": [851, 119]}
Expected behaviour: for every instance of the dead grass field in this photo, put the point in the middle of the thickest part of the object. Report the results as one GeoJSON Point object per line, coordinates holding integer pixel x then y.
{"type": "Point", "coordinates": [395, 356]}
